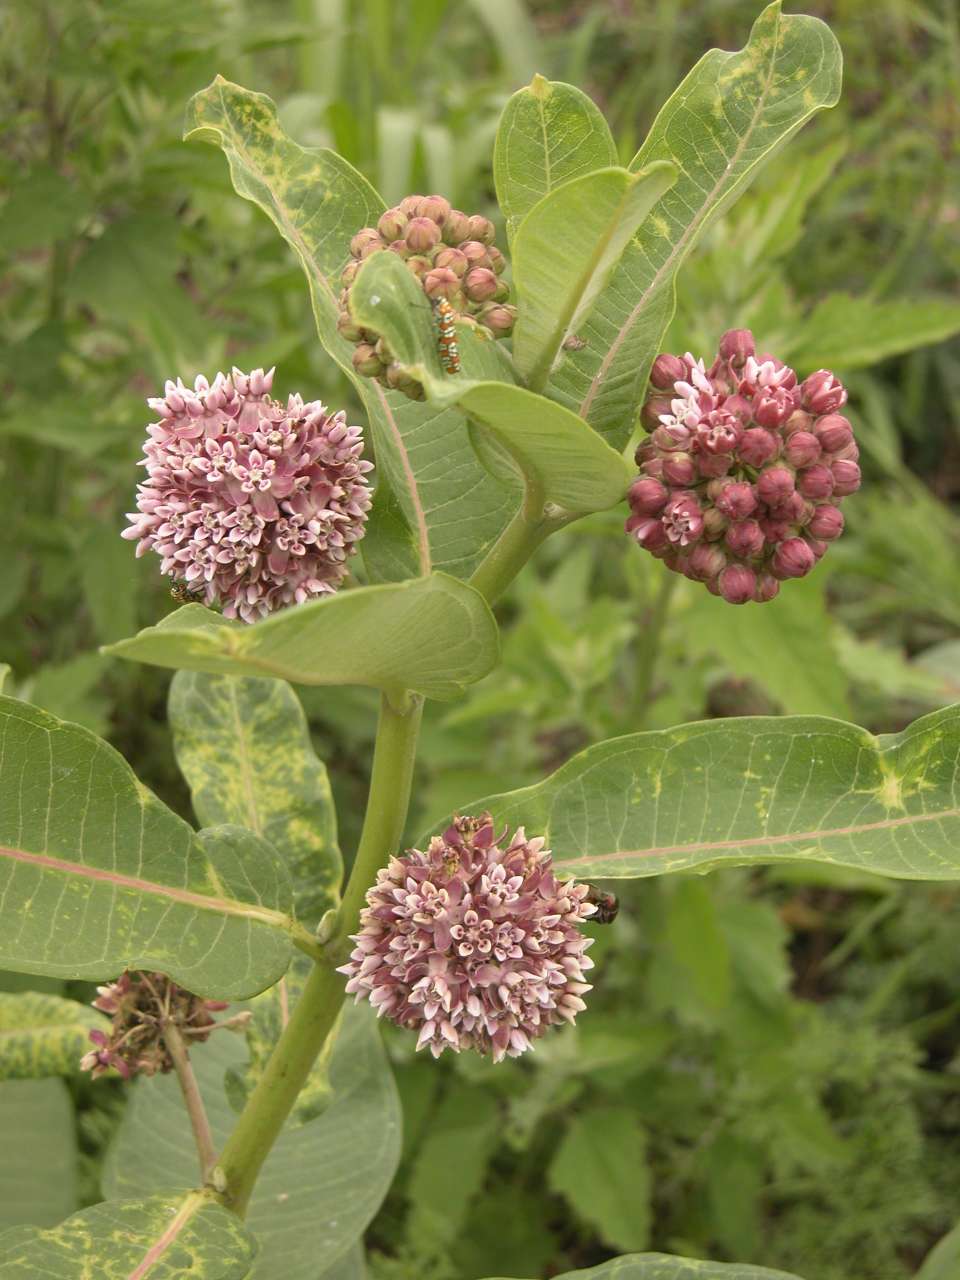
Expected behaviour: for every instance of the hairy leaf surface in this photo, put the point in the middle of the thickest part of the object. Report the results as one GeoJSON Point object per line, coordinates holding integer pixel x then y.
{"type": "Point", "coordinates": [753, 790]}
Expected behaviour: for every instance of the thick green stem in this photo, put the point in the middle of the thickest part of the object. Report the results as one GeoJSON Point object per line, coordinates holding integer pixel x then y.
{"type": "Point", "coordinates": [648, 648]}
{"type": "Point", "coordinates": [511, 552]}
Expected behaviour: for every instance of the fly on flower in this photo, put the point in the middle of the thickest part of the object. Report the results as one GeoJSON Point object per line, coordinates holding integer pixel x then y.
{"type": "Point", "coordinates": [180, 591]}
{"type": "Point", "coordinates": [607, 905]}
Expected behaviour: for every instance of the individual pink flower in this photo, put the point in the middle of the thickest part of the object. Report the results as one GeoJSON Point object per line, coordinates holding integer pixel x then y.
{"type": "Point", "coordinates": [250, 503]}
{"type": "Point", "coordinates": [743, 469]}
{"type": "Point", "coordinates": [475, 943]}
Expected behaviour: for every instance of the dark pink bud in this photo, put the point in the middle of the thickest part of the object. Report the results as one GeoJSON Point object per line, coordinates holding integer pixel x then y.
{"type": "Point", "coordinates": [833, 431]}
{"type": "Point", "coordinates": [480, 284]}
{"type": "Point", "coordinates": [671, 439]}
{"type": "Point", "coordinates": [758, 447]}
{"type": "Point", "coordinates": [846, 478]}
{"type": "Point", "coordinates": [802, 449]}
{"type": "Point", "coordinates": [737, 500]}
{"type": "Point", "coordinates": [422, 235]}
{"type": "Point", "coordinates": [392, 224]}
{"type": "Point", "coordinates": [440, 283]}
{"type": "Point", "coordinates": [849, 453]}
{"type": "Point", "coordinates": [767, 587]}
{"type": "Point", "coordinates": [705, 561]}
{"type": "Point", "coordinates": [818, 548]}
{"type": "Point", "coordinates": [648, 531]}
{"type": "Point", "coordinates": [772, 407]}
{"type": "Point", "coordinates": [736, 345]}
{"type": "Point", "coordinates": [499, 319]}
{"type": "Point", "coordinates": [680, 469]}
{"type": "Point", "coordinates": [745, 539]}
{"type": "Point", "coordinates": [496, 259]}
{"type": "Point", "coordinates": [475, 252]}
{"type": "Point", "coordinates": [652, 410]}
{"type": "Point", "coordinates": [456, 227]}
{"type": "Point", "coordinates": [713, 465]}
{"type": "Point", "coordinates": [822, 392]}
{"type": "Point", "coordinates": [435, 208]}
{"type": "Point", "coordinates": [775, 485]}
{"type": "Point", "coordinates": [408, 205]}
{"type": "Point", "coordinates": [451, 260]}
{"type": "Point", "coordinates": [737, 584]}
{"type": "Point", "coordinates": [666, 371]}
{"type": "Point", "coordinates": [683, 520]}
{"type": "Point", "coordinates": [793, 558]}
{"type": "Point", "coordinates": [482, 229]}
{"type": "Point", "coordinates": [647, 496]}
{"type": "Point", "coordinates": [799, 420]}
{"type": "Point", "coordinates": [815, 482]}
{"type": "Point", "coordinates": [720, 433]}
{"type": "Point", "coordinates": [365, 240]}
{"type": "Point", "coordinates": [715, 523]}
{"type": "Point", "coordinates": [793, 509]}
{"type": "Point", "coordinates": [775, 530]}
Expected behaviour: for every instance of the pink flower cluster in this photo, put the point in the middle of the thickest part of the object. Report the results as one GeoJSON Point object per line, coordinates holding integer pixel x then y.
{"type": "Point", "coordinates": [475, 943]}
{"type": "Point", "coordinates": [744, 470]}
{"type": "Point", "coordinates": [250, 503]}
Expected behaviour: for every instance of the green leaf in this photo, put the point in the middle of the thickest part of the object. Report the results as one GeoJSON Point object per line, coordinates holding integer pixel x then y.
{"type": "Point", "coordinates": [601, 1169]}
{"type": "Point", "coordinates": [846, 333]}
{"type": "Point", "coordinates": [730, 114]}
{"type": "Point", "coordinates": [42, 1035]}
{"type": "Point", "coordinates": [433, 635]}
{"type": "Point", "coordinates": [697, 946]}
{"type": "Point", "coordinates": [44, 206]}
{"type": "Point", "coordinates": [244, 748]}
{"type": "Point", "coordinates": [453, 510]}
{"type": "Point", "coordinates": [4, 672]}
{"type": "Point", "coordinates": [662, 1266]}
{"type": "Point", "coordinates": [321, 1184]}
{"type": "Point", "coordinates": [108, 574]}
{"type": "Point", "coordinates": [943, 1260]}
{"type": "Point", "coordinates": [565, 250]}
{"type": "Point", "coordinates": [785, 646]}
{"type": "Point", "coordinates": [38, 1171]}
{"type": "Point", "coordinates": [163, 1237]}
{"type": "Point", "coordinates": [549, 133]}
{"type": "Point", "coordinates": [97, 876]}
{"type": "Point", "coordinates": [514, 429]}
{"type": "Point", "coordinates": [752, 790]}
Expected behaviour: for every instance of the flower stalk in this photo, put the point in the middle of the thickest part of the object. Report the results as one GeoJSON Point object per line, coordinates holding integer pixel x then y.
{"type": "Point", "coordinates": [192, 1099]}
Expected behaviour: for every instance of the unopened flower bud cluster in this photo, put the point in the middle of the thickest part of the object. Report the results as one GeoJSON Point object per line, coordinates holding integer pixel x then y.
{"type": "Point", "coordinates": [744, 470]}
{"type": "Point", "coordinates": [451, 254]}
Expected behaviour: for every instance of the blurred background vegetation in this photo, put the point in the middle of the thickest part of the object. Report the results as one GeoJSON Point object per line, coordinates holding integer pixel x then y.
{"type": "Point", "coordinates": [770, 1069]}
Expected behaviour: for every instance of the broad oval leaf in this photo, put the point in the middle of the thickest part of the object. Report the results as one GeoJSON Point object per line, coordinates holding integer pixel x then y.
{"type": "Point", "coordinates": [163, 1237]}
{"type": "Point", "coordinates": [552, 449]}
{"type": "Point", "coordinates": [663, 1266]}
{"type": "Point", "coordinates": [549, 132]}
{"type": "Point", "coordinates": [727, 117]}
{"type": "Point", "coordinates": [754, 790]}
{"type": "Point", "coordinates": [322, 1183]}
{"type": "Point", "coordinates": [97, 876]}
{"type": "Point", "coordinates": [38, 1171]}
{"type": "Point", "coordinates": [565, 250]}
{"type": "Point", "coordinates": [451, 509]}
{"type": "Point", "coordinates": [244, 747]}
{"type": "Point", "coordinates": [43, 1035]}
{"type": "Point", "coordinates": [433, 635]}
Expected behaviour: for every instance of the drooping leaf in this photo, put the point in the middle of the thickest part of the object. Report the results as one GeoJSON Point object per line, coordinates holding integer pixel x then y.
{"type": "Point", "coordinates": [555, 451]}
{"type": "Point", "coordinates": [549, 132]}
{"type": "Point", "coordinates": [662, 1266]}
{"type": "Point", "coordinates": [453, 510]}
{"type": "Point", "coordinates": [564, 251]}
{"type": "Point", "coordinates": [38, 1167]}
{"type": "Point", "coordinates": [601, 1169]}
{"type": "Point", "coordinates": [96, 875]}
{"type": "Point", "coordinates": [752, 790]}
{"type": "Point", "coordinates": [433, 635]}
{"type": "Point", "coordinates": [321, 1184]}
{"type": "Point", "coordinates": [244, 747]}
{"type": "Point", "coordinates": [846, 333]}
{"type": "Point", "coordinates": [162, 1237]}
{"type": "Point", "coordinates": [731, 112]}
{"type": "Point", "coordinates": [43, 1035]}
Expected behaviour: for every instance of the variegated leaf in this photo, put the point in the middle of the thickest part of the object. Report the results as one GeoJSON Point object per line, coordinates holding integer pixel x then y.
{"type": "Point", "coordinates": [42, 1035]}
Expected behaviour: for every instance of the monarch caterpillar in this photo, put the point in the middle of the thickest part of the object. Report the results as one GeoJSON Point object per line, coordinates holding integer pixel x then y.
{"type": "Point", "coordinates": [447, 347]}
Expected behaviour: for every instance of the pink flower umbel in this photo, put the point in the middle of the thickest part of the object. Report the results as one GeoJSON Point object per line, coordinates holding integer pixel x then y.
{"type": "Point", "coordinates": [743, 471]}
{"type": "Point", "coordinates": [475, 944]}
{"type": "Point", "coordinates": [250, 503]}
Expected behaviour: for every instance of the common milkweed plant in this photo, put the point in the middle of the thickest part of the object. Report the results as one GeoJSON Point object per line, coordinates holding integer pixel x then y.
{"type": "Point", "coordinates": [504, 389]}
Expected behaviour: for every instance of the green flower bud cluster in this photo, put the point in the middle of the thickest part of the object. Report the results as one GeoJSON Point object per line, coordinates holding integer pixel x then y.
{"type": "Point", "coordinates": [453, 255]}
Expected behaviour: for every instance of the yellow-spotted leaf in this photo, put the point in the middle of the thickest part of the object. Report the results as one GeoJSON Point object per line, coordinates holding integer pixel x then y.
{"type": "Point", "coordinates": [433, 635]}
{"type": "Point", "coordinates": [754, 790]}
{"type": "Point", "coordinates": [43, 1035]}
{"type": "Point", "coordinates": [730, 114]}
{"type": "Point", "coordinates": [97, 876]}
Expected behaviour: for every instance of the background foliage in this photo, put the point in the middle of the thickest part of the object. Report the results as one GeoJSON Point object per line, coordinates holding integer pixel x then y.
{"type": "Point", "coordinates": [770, 1069]}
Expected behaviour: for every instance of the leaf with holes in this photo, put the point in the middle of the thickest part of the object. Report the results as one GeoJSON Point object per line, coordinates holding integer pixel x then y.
{"type": "Point", "coordinates": [728, 116]}
{"type": "Point", "coordinates": [433, 635]}
{"type": "Point", "coordinates": [42, 1035]}
{"type": "Point", "coordinates": [755, 790]}
{"type": "Point", "coordinates": [163, 1237]}
{"type": "Point", "coordinates": [244, 747]}
{"type": "Point", "coordinates": [662, 1266]}
{"type": "Point", "coordinates": [97, 876]}
{"type": "Point", "coordinates": [452, 509]}
{"type": "Point", "coordinates": [555, 452]}
{"type": "Point", "coordinates": [321, 1184]}
{"type": "Point", "coordinates": [549, 133]}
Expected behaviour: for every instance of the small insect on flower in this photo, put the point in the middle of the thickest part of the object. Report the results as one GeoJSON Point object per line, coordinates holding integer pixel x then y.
{"type": "Point", "coordinates": [180, 591]}
{"type": "Point", "coordinates": [447, 347]}
{"type": "Point", "coordinates": [607, 905]}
